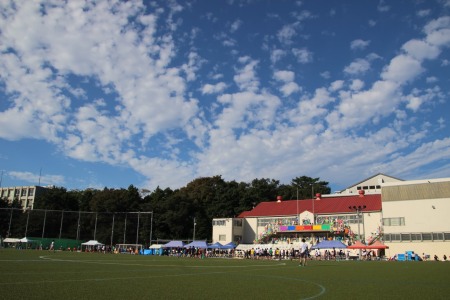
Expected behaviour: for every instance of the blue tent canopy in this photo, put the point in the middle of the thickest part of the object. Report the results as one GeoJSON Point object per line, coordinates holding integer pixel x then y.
{"type": "Point", "coordinates": [197, 244]}
{"type": "Point", "coordinates": [329, 245]}
{"type": "Point", "coordinates": [230, 245]}
{"type": "Point", "coordinates": [215, 246]}
{"type": "Point", "coordinates": [174, 244]}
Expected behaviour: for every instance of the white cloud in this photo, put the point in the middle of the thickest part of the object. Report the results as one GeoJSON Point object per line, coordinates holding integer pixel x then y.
{"type": "Point", "coordinates": [303, 55]}
{"type": "Point", "coordinates": [414, 103]}
{"type": "Point", "coordinates": [432, 79]}
{"type": "Point", "coordinates": [285, 76]}
{"type": "Point", "coordinates": [383, 7]}
{"type": "Point", "coordinates": [336, 85]}
{"type": "Point", "coordinates": [423, 13]}
{"type": "Point", "coordinates": [359, 44]}
{"type": "Point", "coordinates": [356, 85]}
{"type": "Point", "coordinates": [235, 25]}
{"type": "Point", "coordinates": [31, 178]}
{"type": "Point", "coordinates": [358, 66]}
{"type": "Point", "coordinates": [421, 50]}
{"type": "Point", "coordinates": [246, 78]}
{"type": "Point", "coordinates": [402, 69]}
{"type": "Point", "coordinates": [438, 32]}
{"type": "Point", "coordinates": [214, 88]}
{"type": "Point", "coordinates": [290, 88]}
{"type": "Point", "coordinates": [276, 55]}
{"type": "Point", "coordinates": [287, 33]}
{"type": "Point", "coordinates": [325, 74]}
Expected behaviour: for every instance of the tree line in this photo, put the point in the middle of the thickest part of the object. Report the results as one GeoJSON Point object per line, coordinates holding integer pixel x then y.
{"type": "Point", "coordinates": [105, 211]}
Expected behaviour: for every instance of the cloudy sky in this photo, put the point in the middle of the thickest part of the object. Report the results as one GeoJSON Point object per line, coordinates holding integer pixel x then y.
{"type": "Point", "coordinates": [158, 93]}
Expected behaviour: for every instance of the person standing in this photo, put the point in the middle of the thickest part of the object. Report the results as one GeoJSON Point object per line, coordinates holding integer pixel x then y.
{"type": "Point", "coordinates": [303, 253]}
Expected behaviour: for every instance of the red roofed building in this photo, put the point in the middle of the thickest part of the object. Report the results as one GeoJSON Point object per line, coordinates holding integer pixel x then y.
{"type": "Point", "coordinates": [406, 215]}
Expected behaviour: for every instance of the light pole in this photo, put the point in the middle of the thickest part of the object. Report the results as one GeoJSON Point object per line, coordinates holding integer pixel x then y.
{"type": "Point", "coordinates": [193, 238]}
{"type": "Point", "coordinates": [358, 213]}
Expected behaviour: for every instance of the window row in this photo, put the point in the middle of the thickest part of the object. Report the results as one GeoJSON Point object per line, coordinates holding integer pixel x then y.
{"type": "Point", "coordinates": [417, 237]}
{"type": "Point", "coordinates": [398, 221]}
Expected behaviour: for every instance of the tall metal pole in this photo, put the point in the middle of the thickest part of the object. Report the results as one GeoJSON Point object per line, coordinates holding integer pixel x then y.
{"type": "Point", "coordinates": [43, 226]}
{"type": "Point", "coordinates": [298, 217]}
{"type": "Point", "coordinates": [60, 226]}
{"type": "Point", "coordinates": [358, 209]}
{"type": "Point", "coordinates": [78, 225]}
{"type": "Point", "coordinates": [26, 227]}
{"type": "Point", "coordinates": [112, 230]}
{"type": "Point", "coordinates": [137, 228]}
{"type": "Point", "coordinates": [193, 238]}
{"type": "Point", "coordinates": [151, 229]}
{"type": "Point", "coordinates": [95, 227]}
{"type": "Point", "coordinates": [125, 228]}
{"type": "Point", "coordinates": [10, 220]}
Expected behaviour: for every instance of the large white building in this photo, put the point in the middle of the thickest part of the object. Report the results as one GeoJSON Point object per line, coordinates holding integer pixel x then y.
{"type": "Point", "coordinates": [406, 215]}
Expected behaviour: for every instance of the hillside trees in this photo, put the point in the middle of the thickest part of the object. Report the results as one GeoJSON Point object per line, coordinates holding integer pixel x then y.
{"type": "Point", "coordinates": [112, 214]}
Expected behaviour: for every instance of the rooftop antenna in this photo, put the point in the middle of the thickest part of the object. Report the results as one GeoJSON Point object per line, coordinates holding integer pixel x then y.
{"type": "Point", "coordinates": [40, 172]}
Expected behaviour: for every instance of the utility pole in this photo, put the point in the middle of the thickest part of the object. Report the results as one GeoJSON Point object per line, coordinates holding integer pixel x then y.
{"type": "Point", "coordinates": [358, 209]}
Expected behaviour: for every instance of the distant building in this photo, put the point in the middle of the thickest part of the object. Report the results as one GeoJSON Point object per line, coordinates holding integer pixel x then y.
{"type": "Point", "coordinates": [405, 215]}
{"type": "Point", "coordinates": [24, 194]}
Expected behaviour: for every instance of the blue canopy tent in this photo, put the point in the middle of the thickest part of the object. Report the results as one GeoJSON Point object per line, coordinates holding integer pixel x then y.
{"type": "Point", "coordinates": [230, 245]}
{"type": "Point", "coordinates": [329, 245]}
{"type": "Point", "coordinates": [197, 244]}
{"type": "Point", "coordinates": [215, 246]}
{"type": "Point", "coordinates": [174, 244]}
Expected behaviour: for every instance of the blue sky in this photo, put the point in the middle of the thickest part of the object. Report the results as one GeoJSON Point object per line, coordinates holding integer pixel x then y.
{"type": "Point", "coordinates": [100, 94]}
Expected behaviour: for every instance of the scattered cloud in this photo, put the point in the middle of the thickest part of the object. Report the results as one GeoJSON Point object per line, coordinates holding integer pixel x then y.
{"type": "Point", "coordinates": [359, 44]}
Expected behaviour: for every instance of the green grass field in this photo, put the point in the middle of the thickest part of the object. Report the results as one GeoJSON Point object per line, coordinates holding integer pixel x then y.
{"type": "Point", "coordinates": [33, 274]}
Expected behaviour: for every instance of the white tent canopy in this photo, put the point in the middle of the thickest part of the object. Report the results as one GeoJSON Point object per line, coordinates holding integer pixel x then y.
{"type": "Point", "coordinates": [92, 243]}
{"type": "Point", "coordinates": [11, 240]}
{"type": "Point", "coordinates": [26, 240]}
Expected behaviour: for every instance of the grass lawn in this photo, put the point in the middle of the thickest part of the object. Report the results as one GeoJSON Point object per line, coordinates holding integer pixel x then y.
{"type": "Point", "coordinates": [33, 274]}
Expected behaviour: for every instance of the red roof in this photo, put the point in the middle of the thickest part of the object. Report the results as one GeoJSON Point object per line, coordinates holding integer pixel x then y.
{"type": "Point", "coordinates": [326, 205]}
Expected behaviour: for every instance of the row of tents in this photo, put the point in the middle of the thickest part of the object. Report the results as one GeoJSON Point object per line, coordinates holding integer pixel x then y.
{"type": "Point", "coordinates": [357, 245]}
{"type": "Point", "coordinates": [199, 244]}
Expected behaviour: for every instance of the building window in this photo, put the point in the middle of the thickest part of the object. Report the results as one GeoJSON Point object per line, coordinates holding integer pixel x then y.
{"type": "Point", "coordinates": [400, 221]}
{"type": "Point", "coordinates": [427, 237]}
{"type": "Point", "coordinates": [31, 192]}
{"type": "Point", "coordinates": [238, 238]}
{"type": "Point", "coordinates": [218, 222]}
{"type": "Point", "coordinates": [417, 237]}
{"type": "Point", "coordinates": [406, 237]}
{"type": "Point", "coordinates": [277, 221]}
{"type": "Point", "coordinates": [438, 236]}
{"type": "Point", "coordinates": [222, 237]}
{"type": "Point", "coordinates": [24, 192]}
{"type": "Point", "coordinates": [237, 223]}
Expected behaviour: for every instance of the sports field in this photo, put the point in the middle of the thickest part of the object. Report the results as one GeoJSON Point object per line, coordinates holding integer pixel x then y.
{"type": "Point", "coordinates": [33, 274]}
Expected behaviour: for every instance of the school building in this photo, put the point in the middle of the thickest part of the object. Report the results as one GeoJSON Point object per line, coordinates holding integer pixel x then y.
{"type": "Point", "coordinates": [405, 215]}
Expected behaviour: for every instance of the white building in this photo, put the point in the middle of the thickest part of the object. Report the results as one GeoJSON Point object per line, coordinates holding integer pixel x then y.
{"type": "Point", "coordinates": [406, 215]}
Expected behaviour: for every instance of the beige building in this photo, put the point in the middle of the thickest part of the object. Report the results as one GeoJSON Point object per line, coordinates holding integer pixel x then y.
{"type": "Point", "coordinates": [24, 194]}
{"type": "Point", "coordinates": [415, 216]}
{"type": "Point", "coordinates": [406, 215]}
